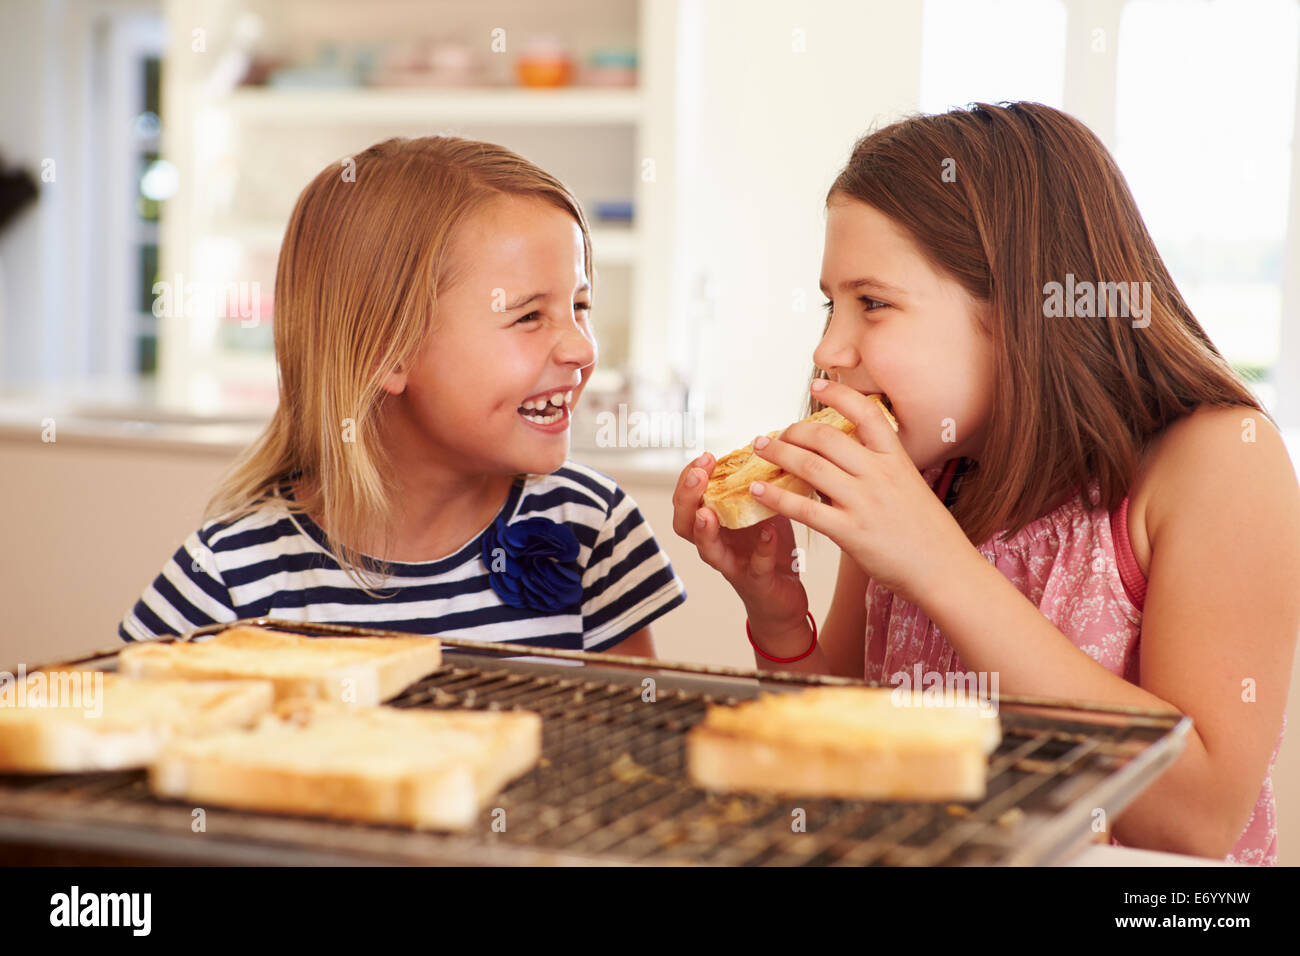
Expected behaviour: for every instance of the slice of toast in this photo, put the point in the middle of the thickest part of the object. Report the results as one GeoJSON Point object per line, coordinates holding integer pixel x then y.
{"type": "Point", "coordinates": [429, 769]}
{"type": "Point", "coordinates": [362, 671]}
{"type": "Point", "coordinates": [89, 720]}
{"type": "Point", "coordinates": [845, 742]}
{"type": "Point", "coordinates": [727, 492]}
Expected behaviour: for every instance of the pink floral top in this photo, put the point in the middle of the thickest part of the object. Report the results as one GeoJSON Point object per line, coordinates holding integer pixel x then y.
{"type": "Point", "coordinates": [1076, 565]}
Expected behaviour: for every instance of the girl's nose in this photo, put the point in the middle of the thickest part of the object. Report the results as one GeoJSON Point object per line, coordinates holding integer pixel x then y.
{"type": "Point", "coordinates": [831, 355]}
{"type": "Point", "coordinates": [576, 347]}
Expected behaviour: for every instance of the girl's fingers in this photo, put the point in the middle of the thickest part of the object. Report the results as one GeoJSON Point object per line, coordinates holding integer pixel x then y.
{"type": "Point", "coordinates": [709, 543]}
{"type": "Point", "coordinates": [689, 493]}
{"type": "Point", "coordinates": [806, 511]}
{"type": "Point", "coordinates": [763, 559]}
{"type": "Point", "coordinates": [824, 457]}
{"type": "Point", "coordinates": [685, 506]}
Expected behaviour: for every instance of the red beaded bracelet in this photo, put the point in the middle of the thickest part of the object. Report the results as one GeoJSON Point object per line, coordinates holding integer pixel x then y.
{"type": "Point", "coordinates": [784, 660]}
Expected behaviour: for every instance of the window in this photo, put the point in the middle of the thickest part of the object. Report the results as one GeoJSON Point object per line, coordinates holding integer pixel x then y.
{"type": "Point", "coordinates": [1204, 120]}
{"type": "Point", "coordinates": [1201, 124]}
{"type": "Point", "coordinates": [155, 182]}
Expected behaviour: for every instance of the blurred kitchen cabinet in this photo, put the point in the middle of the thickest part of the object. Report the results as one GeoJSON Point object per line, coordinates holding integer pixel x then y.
{"type": "Point", "coordinates": [259, 95]}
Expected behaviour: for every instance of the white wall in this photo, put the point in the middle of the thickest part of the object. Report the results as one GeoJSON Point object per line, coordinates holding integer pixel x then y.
{"type": "Point", "coordinates": [766, 129]}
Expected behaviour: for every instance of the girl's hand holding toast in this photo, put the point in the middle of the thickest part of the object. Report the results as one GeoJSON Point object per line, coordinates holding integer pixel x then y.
{"type": "Point", "coordinates": [757, 561]}
{"type": "Point", "coordinates": [881, 511]}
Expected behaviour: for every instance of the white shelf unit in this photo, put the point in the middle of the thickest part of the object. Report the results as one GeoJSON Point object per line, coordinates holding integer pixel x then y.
{"type": "Point", "coordinates": [521, 106]}
{"type": "Point", "coordinates": [244, 154]}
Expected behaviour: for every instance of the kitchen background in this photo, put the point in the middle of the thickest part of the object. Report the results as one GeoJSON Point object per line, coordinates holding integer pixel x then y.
{"type": "Point", "coordinates": [165, 141]}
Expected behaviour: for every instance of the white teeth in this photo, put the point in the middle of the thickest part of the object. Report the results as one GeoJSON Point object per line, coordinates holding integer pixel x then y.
{"type": "Point", "coordinates": [557, 401]}
{"type": "Point", "coordinates": [548, 419]}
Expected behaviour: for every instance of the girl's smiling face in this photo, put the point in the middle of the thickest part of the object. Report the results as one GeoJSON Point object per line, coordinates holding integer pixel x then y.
{"type": "Point", "coordinates": [511, 326]}
{"type": "Point", "coordinates": [901, 327]}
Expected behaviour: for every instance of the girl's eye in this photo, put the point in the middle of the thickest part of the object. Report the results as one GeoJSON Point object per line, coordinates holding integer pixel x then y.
{"type": "Point", "coordinates": [868, 303]}
{"type": "Point", "coordinates": [537, 316]}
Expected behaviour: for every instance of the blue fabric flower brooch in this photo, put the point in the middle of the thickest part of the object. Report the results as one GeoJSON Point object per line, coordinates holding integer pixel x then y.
{"type": "Point", "coordinates": [534, 563]}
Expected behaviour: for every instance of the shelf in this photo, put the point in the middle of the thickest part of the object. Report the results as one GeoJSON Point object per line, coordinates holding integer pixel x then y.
{"type": "Point", "coordinates": [225, 222]}
{"type": "Point", "coordinates": [576, 105]}
{"type": "Point", "coordinates": [611, 245]}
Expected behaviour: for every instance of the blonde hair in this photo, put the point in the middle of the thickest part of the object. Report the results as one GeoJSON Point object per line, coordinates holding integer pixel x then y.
{"type": "Point", "coordinates": [364, 258]}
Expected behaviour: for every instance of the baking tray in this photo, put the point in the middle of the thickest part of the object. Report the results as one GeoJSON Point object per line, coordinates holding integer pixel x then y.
{"type": "Point", "coordinates": [611, 787]}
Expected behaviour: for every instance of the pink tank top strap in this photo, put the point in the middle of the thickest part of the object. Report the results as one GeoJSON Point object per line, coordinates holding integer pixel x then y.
{"type": "Point", "coordinates": [945, 479]}
{"type": "Point", "coordinates": [1135, 583]}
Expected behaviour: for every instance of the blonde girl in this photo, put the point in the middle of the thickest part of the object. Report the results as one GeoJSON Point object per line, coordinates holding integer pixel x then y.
{"type": "Point", "coordinates": [432, 336]}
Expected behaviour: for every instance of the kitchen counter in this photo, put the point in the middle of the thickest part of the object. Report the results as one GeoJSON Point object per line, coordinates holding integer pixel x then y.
{"type": "Point", "coordinates": [129, 415]}
{"type": "Point", "coordinates": [129, 419]}
{"type": "Point", "coordinates": [1107, 855]}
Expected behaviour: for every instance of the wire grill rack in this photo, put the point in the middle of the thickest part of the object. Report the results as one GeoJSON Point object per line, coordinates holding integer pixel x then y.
{"type": "Point", "coordinates": [611, 786]}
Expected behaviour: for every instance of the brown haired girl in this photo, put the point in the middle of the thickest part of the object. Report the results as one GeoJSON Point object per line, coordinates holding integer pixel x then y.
{"type": "Point", "coordinates": [1082, 500]}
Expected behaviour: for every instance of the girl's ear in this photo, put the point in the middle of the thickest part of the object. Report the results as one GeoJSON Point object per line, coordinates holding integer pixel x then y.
{"type": "Point", "coordinates": [395, 381]}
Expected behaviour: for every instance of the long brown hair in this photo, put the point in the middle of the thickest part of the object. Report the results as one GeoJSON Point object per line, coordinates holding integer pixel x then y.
{"type": "Point", "coordinates": [1009, 198]}
{"type": "Point", "coordinates": [364, 258]}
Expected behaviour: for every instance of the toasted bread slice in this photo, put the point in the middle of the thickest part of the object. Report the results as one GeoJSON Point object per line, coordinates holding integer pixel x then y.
{"type": "Point", "coordinates": [728, 490]}
{"type": "Point", "coordinates": [352, 670]}
{"type": "Point", "coordinates": [90, 720]}
{"type": "Point", "coordinates": [433, 769]}
{"type": "Point", "coordinates": [846, 742]}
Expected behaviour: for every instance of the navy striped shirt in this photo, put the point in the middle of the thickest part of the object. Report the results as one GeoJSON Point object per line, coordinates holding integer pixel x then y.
{"type": "Point", "coordinates": [275, 564]}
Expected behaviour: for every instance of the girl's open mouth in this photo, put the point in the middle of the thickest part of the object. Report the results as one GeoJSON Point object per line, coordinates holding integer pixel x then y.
{"type": "Point", "coordinates": [548, 413]}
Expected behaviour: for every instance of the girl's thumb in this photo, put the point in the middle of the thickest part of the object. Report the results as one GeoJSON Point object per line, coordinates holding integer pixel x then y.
{"type": "Point", "coordinates": [763, 559]}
